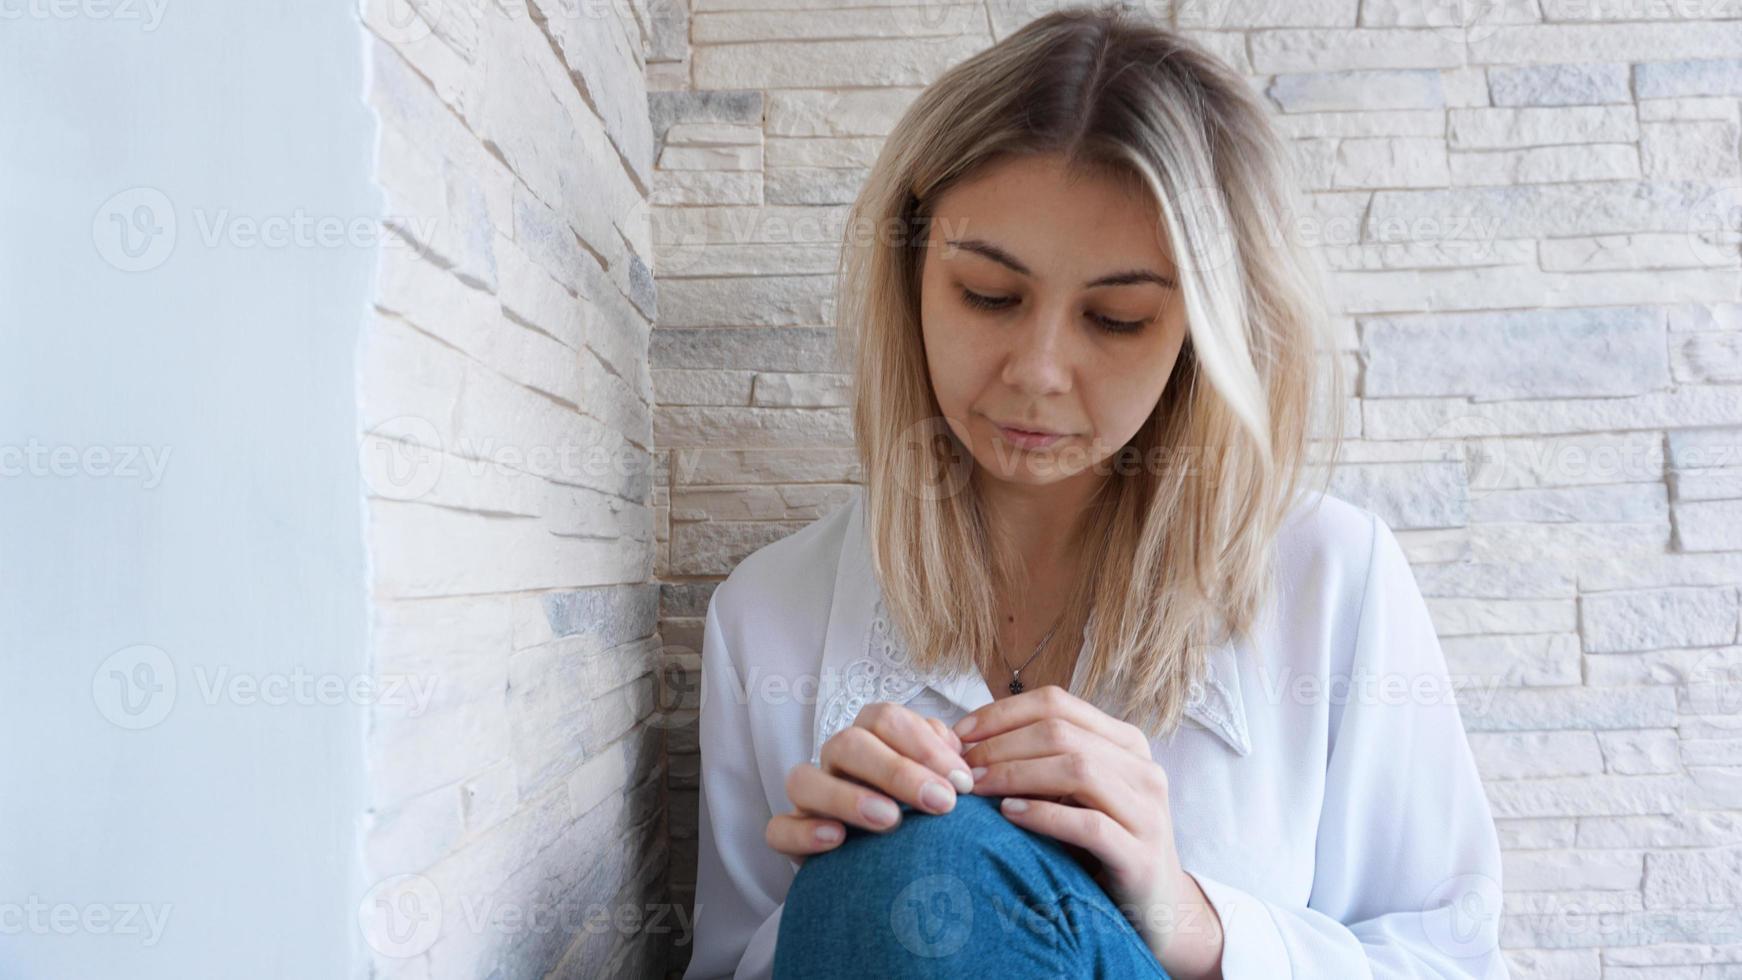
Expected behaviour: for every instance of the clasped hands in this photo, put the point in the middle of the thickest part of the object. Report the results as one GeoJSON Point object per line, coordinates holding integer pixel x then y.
{"type": "Point", "coordinates": [1064, 768]}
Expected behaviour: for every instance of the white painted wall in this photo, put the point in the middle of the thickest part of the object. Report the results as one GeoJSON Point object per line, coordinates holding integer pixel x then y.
{"type": "Point", "coordinates": [389, 373]}
{"type": "Point", "coordinates": [241, 560]}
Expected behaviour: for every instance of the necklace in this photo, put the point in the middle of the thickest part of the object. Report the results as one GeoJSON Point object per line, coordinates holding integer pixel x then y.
{"type": "Point", "coordinates": [1016, 685]}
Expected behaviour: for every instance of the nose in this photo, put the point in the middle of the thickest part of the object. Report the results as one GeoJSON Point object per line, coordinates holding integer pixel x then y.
{"type": "Point", "coordinates": [1038, 361]}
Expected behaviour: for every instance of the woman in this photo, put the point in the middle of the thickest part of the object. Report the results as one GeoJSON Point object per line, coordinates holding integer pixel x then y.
{"type": "Point", "coordinates": [1083, 578]}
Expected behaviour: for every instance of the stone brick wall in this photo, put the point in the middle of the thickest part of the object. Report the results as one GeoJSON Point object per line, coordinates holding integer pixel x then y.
{"type": "Point", "coordinates": [1524, 218]}
{"type": "Point", "coordinates": [516, 814]}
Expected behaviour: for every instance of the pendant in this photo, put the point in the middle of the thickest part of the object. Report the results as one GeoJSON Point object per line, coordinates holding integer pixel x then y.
{"type": "Point", "coordinates": [1015, 684]}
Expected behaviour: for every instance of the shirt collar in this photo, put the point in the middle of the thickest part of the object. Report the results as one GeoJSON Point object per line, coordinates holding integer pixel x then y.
{"type": "Point", "coordinates": [864, 660]}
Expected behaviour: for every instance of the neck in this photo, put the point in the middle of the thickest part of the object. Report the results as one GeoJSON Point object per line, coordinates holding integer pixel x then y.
{"type": "Point", "coordinates": [1041, 521]}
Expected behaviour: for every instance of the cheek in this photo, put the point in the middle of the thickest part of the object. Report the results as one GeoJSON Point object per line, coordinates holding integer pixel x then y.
{"type": "Point", "coordinates": [1130, 386]}
{"type": "Point", "coordinates": [951, 361]}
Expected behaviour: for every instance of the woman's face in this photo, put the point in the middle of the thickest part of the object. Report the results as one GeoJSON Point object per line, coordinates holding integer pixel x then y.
{"type": "Point", "coordinates": [1048, 302]}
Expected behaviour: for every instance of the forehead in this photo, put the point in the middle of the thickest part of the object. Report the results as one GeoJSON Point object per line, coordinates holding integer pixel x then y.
{"type": "Point", "coordinates": [1054, 218]}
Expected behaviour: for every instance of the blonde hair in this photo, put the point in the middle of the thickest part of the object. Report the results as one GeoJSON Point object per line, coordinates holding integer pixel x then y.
{"type": "Point", "coordinates": [1172, 565]}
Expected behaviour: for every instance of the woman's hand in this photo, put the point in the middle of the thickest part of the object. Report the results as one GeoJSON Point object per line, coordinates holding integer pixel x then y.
{"type": "Point", "coordinates": [888, 753]}
{"type": "Point", "coordinates": [1072, 772]}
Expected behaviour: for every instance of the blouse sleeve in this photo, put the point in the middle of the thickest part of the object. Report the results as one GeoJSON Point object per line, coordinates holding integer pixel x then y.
{"type": "Point", "coordinates": [740, 881]}
{"type": "Point", "coordinates": [1407, 875]}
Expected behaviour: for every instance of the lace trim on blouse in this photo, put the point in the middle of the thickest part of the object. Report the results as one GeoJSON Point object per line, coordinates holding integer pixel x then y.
{"type": "Point", "coordinates": [886, 673]}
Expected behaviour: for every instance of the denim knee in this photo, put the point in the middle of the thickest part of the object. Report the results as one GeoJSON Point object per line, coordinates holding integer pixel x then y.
{"type": "Point", "coordinates": [914, 886]}
{"type": "Point", "coordinates": [944, 894]}
{"type": "Point", "coordinates": [930, 843]}
{"type": "Point", "coordinates": [922, 880]}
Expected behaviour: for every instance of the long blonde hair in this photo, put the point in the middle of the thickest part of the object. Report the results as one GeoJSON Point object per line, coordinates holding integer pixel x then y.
{"type": "Point", "coordinates": [1177, 545]}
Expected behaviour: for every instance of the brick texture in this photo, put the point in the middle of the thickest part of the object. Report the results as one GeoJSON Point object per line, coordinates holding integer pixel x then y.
{"type": "Point", "coordinates": [516, 821]}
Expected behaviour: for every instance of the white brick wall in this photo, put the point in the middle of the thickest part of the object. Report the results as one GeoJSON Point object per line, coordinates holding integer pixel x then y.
{"type": "Point", "coordinates": [516, 820]}
{"type": "Point", "coordinates": [1526, 225]}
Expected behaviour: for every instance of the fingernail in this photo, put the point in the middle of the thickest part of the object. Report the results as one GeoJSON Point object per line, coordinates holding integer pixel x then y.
{"type": "Point", "coordinates": [937, 796]}
{"type": "Point", "coordinates": [966, 725]}
{"type": "Point", "coordinates": [878, 810]}
{"type": "Point", "coordinates": [979, 773]}
{"type": "Point", "coordinates": [829, 834]}
{"type": "Point", "coordinates": [963, 782]}
{"type": "Point", "coordinates": [1013, 805]}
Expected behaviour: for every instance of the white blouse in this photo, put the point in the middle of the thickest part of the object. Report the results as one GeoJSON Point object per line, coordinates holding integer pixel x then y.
{"type": "Point", "coordinates": [1323, 790]}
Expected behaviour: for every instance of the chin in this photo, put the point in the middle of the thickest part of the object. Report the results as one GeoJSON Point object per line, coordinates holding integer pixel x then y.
{"type": "Point", "coordinates": [1027, 469]}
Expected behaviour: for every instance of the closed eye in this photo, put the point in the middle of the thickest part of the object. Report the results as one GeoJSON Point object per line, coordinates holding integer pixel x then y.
{"type": "Point", "coordinates": [983, 302]}
{"type": "Point", "coordinates": [980, 302]}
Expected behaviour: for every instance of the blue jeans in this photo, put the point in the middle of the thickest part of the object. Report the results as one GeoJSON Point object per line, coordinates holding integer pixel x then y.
{"type": "Point", "coordinates": [959, 894]}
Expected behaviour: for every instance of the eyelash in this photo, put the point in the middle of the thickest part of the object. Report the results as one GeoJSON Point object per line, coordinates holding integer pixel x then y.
{"type": "Point", "coordinates": [993, 303]}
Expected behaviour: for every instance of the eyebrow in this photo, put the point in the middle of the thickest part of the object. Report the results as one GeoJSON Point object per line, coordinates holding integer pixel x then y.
{"type": "Point", "coordinates": [1128, 277]}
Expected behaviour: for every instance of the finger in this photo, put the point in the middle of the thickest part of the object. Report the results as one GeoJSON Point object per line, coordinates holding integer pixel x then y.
{"type": "Point", "coordinates": [914, 736]}
{"type": "Point", "coordinates": [1048, 736]}
{"type": "Point", "coordinates": [822, 794]}
{"type": "Point", "coordinates": [797, 834]}
{"type": "Point", "coordinates": [1086, 777]}
{"type": "Point", "coordinates": [1085, 827]}
{"type": "Point", "coordinates": [1048, 701]}
{"type": "Point", "coordinates": [861, 755]}
{"type": "Point", "coordinates": [947, 734]}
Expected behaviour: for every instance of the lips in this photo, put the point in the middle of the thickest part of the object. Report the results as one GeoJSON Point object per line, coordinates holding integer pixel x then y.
{"type": "Point", "coordinates": [1023, 438]}
{"type": "Point", "coordinates": [1026, 430]}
